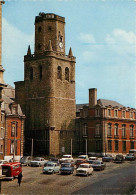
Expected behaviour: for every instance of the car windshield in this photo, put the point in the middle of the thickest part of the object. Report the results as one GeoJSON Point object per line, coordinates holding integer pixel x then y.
{"type": "Point", "coordinates": [84, 166]}
{"type": "Point", "coordinates": [66, 156]}
{"type": "Point", "coordinates": [65, 165]}
{"type": "Point", "coordinates": [37, 159]}
{"type": "Point", "coordinates": [130, 154]}
{"type": "Point", "coordinates": [50, 165]}
{"type": "Point", "coordinates": [96, 162]}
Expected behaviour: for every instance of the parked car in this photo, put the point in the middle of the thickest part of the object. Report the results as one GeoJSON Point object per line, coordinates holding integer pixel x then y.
{"type": "Point", "coordinates": [98, 165]}
{"type": "Point", "coordinates": [66, 158]}
{"type": "Point", "coordinates": [80, 161]}
{"type": "Point", "coordinates": [67, 168]}
{"type": "Point", "coordinates": [11, 170]}
{"type": "Point", "coordinates": [107, 158]}
{"type": "Point", "coordinates": [93, 158]}
{"type": "Point", "coordinates": [2, 162]}
{"type": "Point", "coordinates": [84, 169]}
{"type": "Point", "coordinates": [51, 167]}
{"type": "Point", "coordinates": [25, 160]}
{"type": "Point", "coordinates": [133, 151]}
{"type": "Point", "coordinates": [83, 157]}
{"type": "Point", "coordinates": [119, 158]}
{"type": "Point", "coordinates": [130, 157]}
{"type": "Point", "coordinates": [37, 162]}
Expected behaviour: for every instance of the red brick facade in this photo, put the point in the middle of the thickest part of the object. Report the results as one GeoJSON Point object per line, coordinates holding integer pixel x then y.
{"type": "Point", "coordinates": [107, 127]}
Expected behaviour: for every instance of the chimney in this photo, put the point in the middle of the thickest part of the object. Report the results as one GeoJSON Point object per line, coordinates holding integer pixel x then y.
{"type": "Point", "coordinates": [92, 97]}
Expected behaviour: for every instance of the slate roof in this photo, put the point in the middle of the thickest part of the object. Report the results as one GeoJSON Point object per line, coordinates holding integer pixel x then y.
{"type": "Point", "coordinates": [101, 102]}
{"type": "Point", "coordinates": [8, 95]}
{"type": "Point", "coordinates": [105, 103]}
{"type": "Point", "coordinates": [79, 106]}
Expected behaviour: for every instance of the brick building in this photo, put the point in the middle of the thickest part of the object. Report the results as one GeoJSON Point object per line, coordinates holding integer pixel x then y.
{"type": "Point", "coordinates": [106, 126]}
{"type": "Point", "coordinates": [12, 126]}
{"type": "Point", "coordinates": [47, 94]}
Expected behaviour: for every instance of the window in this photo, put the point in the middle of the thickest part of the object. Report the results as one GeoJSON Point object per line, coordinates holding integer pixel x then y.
{"type": "Point", "coordinates": [131, 115]}
{"type": "Point", "coordinates": [109, 133]}
{"type": "Point", "coordinates": [116, 129]}
{"type": "Point", "coordinates": [116, 146]}
{"type": "Point", "coordinates": [131, 131]}
{"type": "Point", "coordinates": [1, 148]}
{"type": "Point", "coordinates": [115, 113]}
{"type": "Point", "coordinates": [14, 109]}
{"type": "Point", "coordinates": [109, 112]}
{"type": "Point", "coordinates": [123, 114]}
{"type": "Point", "coordinates": [67, 74]}
{"type": "Point", "coordinates": [85, 130]}
{"type": "Point", "coordinates": [97, 112]}
{"type": "Point", "coordinates": [124, 146]}
{"type": "Point", "coordinates": [97, 129]}
{"type": "Point", "coordinates": [123, 131]}
{"type": "Point", "coordinates": [13, 129]}
{"type": "Point", "coordinates": [40, 72]}
{"type": "Point", "coordinates": [31, 73]}
{"type": "Point", "coordinates": [98, 145]}
{"type": "Point", "coordinates": [39, 29]}
{"type": "Point", "coordinates": [12, 147]}
{"type": "Point", "coordinates": [2, 132]}
{"type": "Point", "coordinates": [132, 145]}
{"type": "Point", "coordinates": [39, 46]}
{"type": "Point", "coordinates": [59, 73]}
{"type": "Point", "coordinates": [109, 145]}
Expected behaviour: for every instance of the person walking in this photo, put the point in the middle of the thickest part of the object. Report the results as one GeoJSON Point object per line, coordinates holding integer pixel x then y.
{"type": "Point", "coordinates": [20, 178]}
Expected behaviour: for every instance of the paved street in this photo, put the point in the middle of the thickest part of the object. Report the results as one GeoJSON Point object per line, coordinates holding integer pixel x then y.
{"type": "Point", "coordinates": [115, 179]}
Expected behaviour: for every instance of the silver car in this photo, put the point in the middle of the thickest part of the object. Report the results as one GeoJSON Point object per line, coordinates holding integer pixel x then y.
{"type": "Point", "coordinates": [38, 162]}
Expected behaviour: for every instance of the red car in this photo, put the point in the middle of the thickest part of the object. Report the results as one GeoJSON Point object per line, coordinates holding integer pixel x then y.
{"type": "Point", "coordinates": [11, 170]}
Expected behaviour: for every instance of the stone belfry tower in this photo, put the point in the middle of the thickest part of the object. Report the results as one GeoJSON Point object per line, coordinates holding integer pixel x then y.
{"type": "Point", "coordinates": [47, 94]}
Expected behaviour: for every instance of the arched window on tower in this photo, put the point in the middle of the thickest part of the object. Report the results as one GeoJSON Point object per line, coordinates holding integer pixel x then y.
{"type": "Point", "coordinates": [31, 73]}
{"type": "Point", "coordinates": [40, 72]}
{"type": "Point", "coordinates": [67, 73]}
{"type": "Point", "coordinates": [59, 73]}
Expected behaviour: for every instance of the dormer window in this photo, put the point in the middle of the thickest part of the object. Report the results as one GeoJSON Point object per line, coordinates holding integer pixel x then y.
{"type": "Point", "coordinates": [109, 112]}
{"type": "Point", "coordinates": [123, 114]}
{"type": "Point", "coordinates": [97, 112]}
{"type": "Point", "coordinates": [115, 113]}
{"type": "Point", "coordinates": [14, 109]}
{"type": "Point", "coordinates": [131, 115]}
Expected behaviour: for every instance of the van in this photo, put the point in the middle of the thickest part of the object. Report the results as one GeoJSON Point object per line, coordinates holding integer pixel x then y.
{"type": "Point", "coordinates": [133, 151]}
{"type": "Point", "coordinates": [11, 170]}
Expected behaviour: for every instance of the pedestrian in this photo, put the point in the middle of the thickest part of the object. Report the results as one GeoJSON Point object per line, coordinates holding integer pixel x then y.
{"type": "Point", "coordinates": [20, 178]}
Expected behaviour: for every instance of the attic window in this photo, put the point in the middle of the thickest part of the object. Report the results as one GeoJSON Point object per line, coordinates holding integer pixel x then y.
{"type": "Point", "coordinates": [14, 110]}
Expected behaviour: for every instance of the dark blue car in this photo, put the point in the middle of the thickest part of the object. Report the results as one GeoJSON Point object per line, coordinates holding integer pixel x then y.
{"type": "Point", "coordinates": [67, 168]}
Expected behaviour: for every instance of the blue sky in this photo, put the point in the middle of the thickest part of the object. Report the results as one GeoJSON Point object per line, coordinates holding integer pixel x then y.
{"type": "Point", "coordinates": [102, 34]}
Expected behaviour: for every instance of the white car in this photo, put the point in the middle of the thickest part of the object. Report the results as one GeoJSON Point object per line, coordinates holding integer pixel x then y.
{"type": "Point", "coordinates": [93, 158]}
{"type": "Point", "coordinates": [51, 168]}
{"type": "Point", "coordinates": [38, 162]}
{"type": "Point", "coordinates": [83, 157]}
{"type": "Point", "coordinates": [84, 169]}
{"type": "Point", "coordinates": [66, 157]}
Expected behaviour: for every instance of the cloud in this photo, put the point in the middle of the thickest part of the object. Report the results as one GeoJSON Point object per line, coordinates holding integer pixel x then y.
{"type": "Point", "coordinates": [121, 42]}
{"type": "Point", "coordinates": [14, 47]}
{"type": "Point", "coordinates": [14, 41]}
{"type": "Point", "coordinates": [87, 38]}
